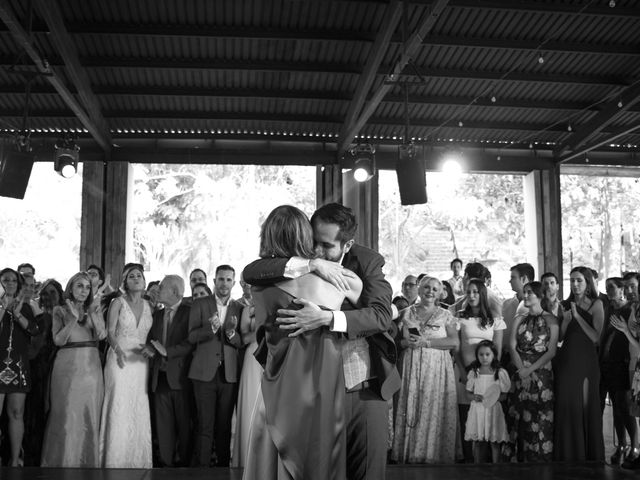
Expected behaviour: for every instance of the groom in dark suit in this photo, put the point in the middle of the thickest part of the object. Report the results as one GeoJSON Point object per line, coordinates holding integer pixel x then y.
{"type": "Point", "coordinates": [369, 355]}
{"type": "Point", "coordinates": [214, 330]}
{"type": "Point", "coordinates": [169, 349]}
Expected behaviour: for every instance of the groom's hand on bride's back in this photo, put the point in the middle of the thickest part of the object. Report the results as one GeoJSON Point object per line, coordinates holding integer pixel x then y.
{"type": "Point", "coordinates": [309, 317]}
{"type": "Point", "coordinates": [332, 272]}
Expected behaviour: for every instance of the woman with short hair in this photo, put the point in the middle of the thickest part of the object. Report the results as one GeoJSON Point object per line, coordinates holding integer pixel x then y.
{"type": "Point", "coordinates": [426, 424]}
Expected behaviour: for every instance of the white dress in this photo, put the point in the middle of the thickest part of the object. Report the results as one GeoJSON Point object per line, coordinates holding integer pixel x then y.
{"type": "Point", "coordinates": [125, 429]}
{"type": "Point", "coordinates": [486, 423]}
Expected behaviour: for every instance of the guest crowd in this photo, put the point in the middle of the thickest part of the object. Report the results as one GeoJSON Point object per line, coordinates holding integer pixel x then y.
{"type": "Point", "coordinates": [142, 375]}
{"type": "Point", "coordinates": [525, 379]}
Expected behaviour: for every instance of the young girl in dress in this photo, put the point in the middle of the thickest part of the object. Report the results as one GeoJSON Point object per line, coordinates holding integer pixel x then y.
{"type": "Point", "coordinates": [485, 422]}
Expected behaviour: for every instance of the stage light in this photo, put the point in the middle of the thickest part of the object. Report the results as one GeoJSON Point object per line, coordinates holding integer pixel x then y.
{"type": "Point", "coordinates": [364, 166]}
{"type": "Point", "coordinates": [451, 167]}
{"type": "Point", "coordinates": [65, 157]}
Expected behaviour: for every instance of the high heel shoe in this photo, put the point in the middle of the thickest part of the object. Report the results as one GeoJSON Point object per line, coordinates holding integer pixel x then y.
{"type": "Point", "coordinates": [620, 454]}
{"type": "Point", "coordinates": [632, 460]}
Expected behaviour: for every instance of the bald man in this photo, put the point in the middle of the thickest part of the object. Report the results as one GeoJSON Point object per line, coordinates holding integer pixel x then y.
{"type": "Point", "coordinates": [169, 350]}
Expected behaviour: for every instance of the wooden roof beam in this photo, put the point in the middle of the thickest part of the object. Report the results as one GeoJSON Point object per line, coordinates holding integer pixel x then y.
{"type": "Point", "coordinates": [342, 35]}
{"type": "Point", "coordinates": [22, 38]}
{"type": "Point", "coordinates": [613, 109]}
{"type": "Point", "coordinates": [539, 7]}
{"type": "Point", "coordinates": [320, 95]}
{"type": "Point", "coordinates": [392, 16]}
{"type": "Point", "coordinates": [205, 115]}
{"type": "Point", "coordinates": [50, 12]}
{"type": "Point", "coordinates": [317, 67]}
{"type": "Point", "coordinates": [413, 44]}
{"type": "Point", "coordinates": [517, 44]}
{"type": "Point", "coordinates": [608, 138]}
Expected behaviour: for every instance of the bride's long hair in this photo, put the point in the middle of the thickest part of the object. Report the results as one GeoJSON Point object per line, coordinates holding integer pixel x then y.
{"type": "Point", "coordinates": [286, 233]}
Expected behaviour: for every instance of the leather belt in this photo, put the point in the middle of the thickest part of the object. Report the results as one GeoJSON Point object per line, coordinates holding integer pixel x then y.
{"type": "Point", "coordinates": [88, 343]}
{"type": "Point", "coordinates": [363, 385]}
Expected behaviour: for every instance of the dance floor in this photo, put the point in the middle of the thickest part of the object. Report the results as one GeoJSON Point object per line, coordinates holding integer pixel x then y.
{"type": "Point", "coordinates": [552, 471]}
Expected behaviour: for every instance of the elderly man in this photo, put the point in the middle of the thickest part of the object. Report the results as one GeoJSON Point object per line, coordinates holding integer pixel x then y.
{"type": "Point", "coordinates": [169, 349]}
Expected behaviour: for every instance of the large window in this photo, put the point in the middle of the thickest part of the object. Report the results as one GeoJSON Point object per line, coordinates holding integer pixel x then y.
{"type": "Point", "coordinates": [600, 224]}
{"type": "Point", "coordinates": [44, 228]}
{"type": "Point", "coordinates": [476, 217]}
{"type": "Point", "coordinates": [188, 216]}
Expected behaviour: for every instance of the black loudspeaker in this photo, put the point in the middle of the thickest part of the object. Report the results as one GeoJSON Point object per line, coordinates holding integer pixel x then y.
{"type": "Point", "coordinates": [15, 170]}
{"type": "Point", "coordinates": [412, 181]}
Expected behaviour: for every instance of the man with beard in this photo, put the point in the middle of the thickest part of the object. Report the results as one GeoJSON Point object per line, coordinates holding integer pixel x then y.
{"type": "Point", "coordinates": [369, 354]}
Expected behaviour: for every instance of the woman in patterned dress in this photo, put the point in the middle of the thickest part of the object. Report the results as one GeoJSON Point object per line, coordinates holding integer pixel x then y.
{"type": "Point", "coordinates": [17, 325]}
{"type": "Point", "coordinates": [426, 427]}
{"type": "Point", "coordinates": [533, 344]}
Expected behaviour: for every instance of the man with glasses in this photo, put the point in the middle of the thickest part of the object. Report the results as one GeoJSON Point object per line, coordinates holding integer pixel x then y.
{"type": "Point", "coordinates": [409, 293]}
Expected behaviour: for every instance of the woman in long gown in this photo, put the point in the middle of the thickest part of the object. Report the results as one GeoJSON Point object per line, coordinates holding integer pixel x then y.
{"type": "Point", "coordinates": [299, 429]}
{"type": "Point", "coordinates": [125, 430]}
{"type": "Point", "coordinates": [17, 325]}
{"type": "Point", "coordinates": [533, 344]}
{"type": "Point", "coordinates": [249, 387]}
{"type": "Point", "coordinates": [71, 437]}
{"type": "Point", "coordinates": [41, 355]}
{"type": "Point", "coordinates": [578, 420]}
{"type": "Point", "coordinates": [476, 322]}
{"type": "Point", "coordinates": [426, 426]}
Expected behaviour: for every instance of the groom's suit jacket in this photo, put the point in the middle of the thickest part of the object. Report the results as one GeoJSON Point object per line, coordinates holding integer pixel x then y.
{"type": "Point", "coordinates": [371, 318]}
{"type": "Point", "coordinates": [212, 350]}
{"type": "Point", "coordinates": [178, 349]}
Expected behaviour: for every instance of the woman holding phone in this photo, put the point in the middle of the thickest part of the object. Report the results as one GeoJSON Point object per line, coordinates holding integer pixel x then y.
{"type": "Point", "coordinates": [426, 426]}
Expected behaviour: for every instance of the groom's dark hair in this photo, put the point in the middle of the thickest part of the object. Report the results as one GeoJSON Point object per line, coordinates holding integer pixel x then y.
{"type": "Point", "coordinates": [339, 215]}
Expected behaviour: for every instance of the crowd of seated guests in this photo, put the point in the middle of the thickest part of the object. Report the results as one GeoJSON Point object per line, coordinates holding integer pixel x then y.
{"type": "Point", "coordinates": [96, 376]}
{"type": "Point", "coordinates": [532, 372]}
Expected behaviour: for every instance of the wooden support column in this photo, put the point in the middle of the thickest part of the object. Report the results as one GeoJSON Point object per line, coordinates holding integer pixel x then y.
{"type": "Point", "coordinates": [543, 220]}
{"type": "Point", "coordinates": [104, 216]}
{"type": "Point", "coordinates": [92, 220]}
{"type": "Point", "coordinates": [328, 184]}
{"type": "Point", "coordinates": [362, 197]}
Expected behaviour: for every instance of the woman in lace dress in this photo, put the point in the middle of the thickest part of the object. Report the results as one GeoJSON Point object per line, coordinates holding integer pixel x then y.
{"type": "Point", "coordinates": [125, 431]}
{"type": "Point", "coordinates": [426, 427]}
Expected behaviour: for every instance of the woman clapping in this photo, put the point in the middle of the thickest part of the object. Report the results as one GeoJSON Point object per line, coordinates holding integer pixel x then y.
{"type": "Point", "coordinates": [71, 436]}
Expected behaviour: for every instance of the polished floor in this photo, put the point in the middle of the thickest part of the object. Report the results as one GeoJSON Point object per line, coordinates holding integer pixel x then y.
{"type": "Point", "coordinates": [551, 471]}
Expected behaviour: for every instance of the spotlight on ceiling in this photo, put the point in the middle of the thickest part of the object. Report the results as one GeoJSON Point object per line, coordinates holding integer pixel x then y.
{"type": "Point", "coordinates": [65, 157]}
{"type": "Point", "coordinates": [364, 166]}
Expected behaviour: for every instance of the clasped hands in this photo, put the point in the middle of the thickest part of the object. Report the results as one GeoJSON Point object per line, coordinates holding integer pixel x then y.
{"type": "Point", "coordinates": [308, 318]}
{"type": "Point", "coordinates": [311, 316]}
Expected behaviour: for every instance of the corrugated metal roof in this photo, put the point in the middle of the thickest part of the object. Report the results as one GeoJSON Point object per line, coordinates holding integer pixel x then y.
{"type": "Point", "coordinates": [294, 66]}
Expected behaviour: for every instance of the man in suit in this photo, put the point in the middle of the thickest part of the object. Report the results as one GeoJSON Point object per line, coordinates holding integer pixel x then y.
{"type": "Point", "coordinates": [169, 348]}
{"type": "Point", "coordinates": [369, 355]}
{"type": "Point", "coordinates": [214, 330]}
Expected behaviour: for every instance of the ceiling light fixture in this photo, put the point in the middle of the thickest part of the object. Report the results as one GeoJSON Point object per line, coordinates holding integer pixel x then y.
{"type": "Point", "coordinates": [364, 165]}
{"type": "Point", "coordinates": [65, 156]}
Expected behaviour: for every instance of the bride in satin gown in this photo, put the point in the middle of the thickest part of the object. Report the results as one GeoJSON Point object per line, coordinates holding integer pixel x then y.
{"type": "Point", "coordinates": [125, 430]}
{"type": "Point", "coordinates": [298, 428]}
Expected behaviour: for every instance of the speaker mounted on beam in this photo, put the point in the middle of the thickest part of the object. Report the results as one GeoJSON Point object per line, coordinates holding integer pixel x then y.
{"type": "Point", "coordinates": [15, 170]}
{"type": "Point", "coordinates": [412, 181]}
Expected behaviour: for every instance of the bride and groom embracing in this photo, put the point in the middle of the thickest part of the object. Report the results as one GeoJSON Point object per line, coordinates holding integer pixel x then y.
{"type": "Point", "coordinates": [323, 308]}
